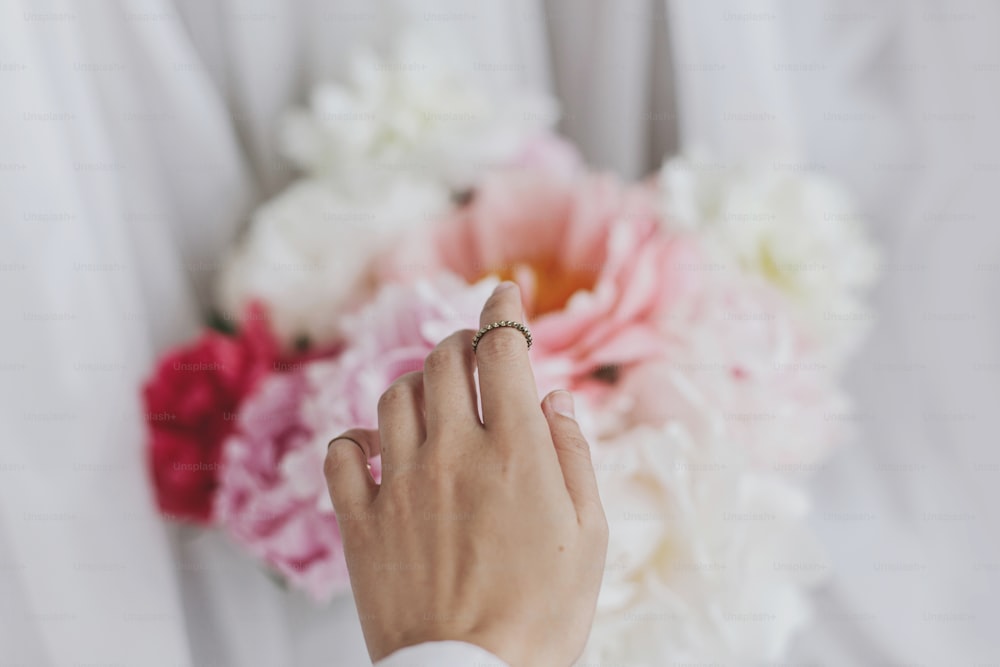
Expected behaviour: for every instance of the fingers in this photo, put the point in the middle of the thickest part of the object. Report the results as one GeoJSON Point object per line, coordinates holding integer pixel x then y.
{"type": "Point", "coordinates": [573, 452]}
{"type": "Point", "coordinates": [401, 423]}
{"type": "Point", "coordinates": [348, 479]}
{"type": "Point", "coordinates": [506, 383]}
{"type": "Point", "coordinates": [450, 384]}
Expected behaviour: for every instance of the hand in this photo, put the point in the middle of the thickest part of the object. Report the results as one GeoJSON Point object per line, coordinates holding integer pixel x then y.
{"type": "Point", "coordinates": [489, 532]}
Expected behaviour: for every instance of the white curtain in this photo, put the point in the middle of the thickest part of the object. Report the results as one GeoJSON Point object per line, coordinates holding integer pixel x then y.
{"type": "Point", "coordinates": [900, 101]}
{"type": "Point", "coordinates": [136, 136]}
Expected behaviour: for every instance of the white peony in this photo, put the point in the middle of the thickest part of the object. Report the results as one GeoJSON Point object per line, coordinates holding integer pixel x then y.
{"type": "Point", "coordinates": [416, 114]}
{"type": "Point", "coordinates": [382, 153]}
{"type": "Point", "coordinates": [709, 561]}
{"type": "Point", "coordinates": [734, 352]}
{"type": "Point", "coordinates": [306, 250]}
{"type": "Point", "coordinates": [799, 231]}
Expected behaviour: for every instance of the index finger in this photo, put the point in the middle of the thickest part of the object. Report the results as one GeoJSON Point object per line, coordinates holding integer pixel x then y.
{"type": "Point", "coordinates": [506, 383]}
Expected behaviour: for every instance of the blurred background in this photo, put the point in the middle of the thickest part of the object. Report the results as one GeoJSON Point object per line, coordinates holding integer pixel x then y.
{"type": "Point", "coordinates": [136, 136]}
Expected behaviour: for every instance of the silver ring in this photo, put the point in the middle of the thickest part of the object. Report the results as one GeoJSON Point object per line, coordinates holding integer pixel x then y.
{"type": "Point", "coordinates": [499, 325]}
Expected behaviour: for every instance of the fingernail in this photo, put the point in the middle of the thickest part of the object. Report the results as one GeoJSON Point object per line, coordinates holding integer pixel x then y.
{"type": "Point", "coordinates": [503, 286]}
{"type": "Point", "coordinates": [562, 403]}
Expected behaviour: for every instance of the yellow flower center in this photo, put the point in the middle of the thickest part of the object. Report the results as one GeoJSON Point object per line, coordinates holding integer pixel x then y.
{"type": "Point", "coordinates": [551, 283]}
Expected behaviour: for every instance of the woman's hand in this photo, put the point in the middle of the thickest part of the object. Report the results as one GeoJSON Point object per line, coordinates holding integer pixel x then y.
{"type": "Point", "coordinates": [489, 532]}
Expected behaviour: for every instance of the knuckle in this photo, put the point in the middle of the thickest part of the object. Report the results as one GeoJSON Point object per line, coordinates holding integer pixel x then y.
{"type": "Point", "coordinates": [338, 456]}
{"type": "Point", "coordinates": [439, 360]}
{"type": "Point", "coordinates": [438, 454]}
{"type": "Point", "coordinates": [503, 345]}
{"type": "Point", "coordinates": [503, 458]}
{"type": "Point", "coordinates": [459, 340]}
{"type": "Point", "coordinates": [398, 393]}
{"type": "Point", "coordinates": [399, 494]}
{"type": "Point", "coordinates": [576, 446]}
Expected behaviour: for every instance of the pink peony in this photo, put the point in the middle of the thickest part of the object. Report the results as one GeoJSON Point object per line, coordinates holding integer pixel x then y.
{"type": "Point", "coordinates": [261, 511]}
{"type": "Point", "coordinates": [637, 318]}
{"type": "Point", "coordinates": [273, 498]}
{"type": "Point", "coordinates": [389, 337]}
{"type": "Point", "coordinates": [596, 269]}
{"type": "Point", "coordinates": [735, 358]}
{"type": "Point", "coordinates": [550, 152]}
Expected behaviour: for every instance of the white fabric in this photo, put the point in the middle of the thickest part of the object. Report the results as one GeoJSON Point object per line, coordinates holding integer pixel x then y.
{"type": "Point", "coordinates": [442, 654]}
{"type": "Point", "coordinates": [892, 99]}
{"type": "Point", "coordinates": [135, 137]}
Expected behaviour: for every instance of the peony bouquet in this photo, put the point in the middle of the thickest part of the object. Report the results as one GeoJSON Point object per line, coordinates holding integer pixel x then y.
{"type": "Point", "coordinates": [701, 317]}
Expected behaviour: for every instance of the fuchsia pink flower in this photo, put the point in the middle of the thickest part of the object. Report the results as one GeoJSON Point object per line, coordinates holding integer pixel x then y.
{"type": "Point", "coordinates": [191, 402]}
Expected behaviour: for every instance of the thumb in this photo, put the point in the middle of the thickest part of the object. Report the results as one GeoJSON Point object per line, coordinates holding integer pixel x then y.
{"type": "Point", "coordinates": [573, 451]}
{"type": "Point", "coordinates": [348, 479]}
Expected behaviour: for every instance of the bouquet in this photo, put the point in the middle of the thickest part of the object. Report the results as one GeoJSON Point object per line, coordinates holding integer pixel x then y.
{"type": "Point", "coordinates": [701, 317]}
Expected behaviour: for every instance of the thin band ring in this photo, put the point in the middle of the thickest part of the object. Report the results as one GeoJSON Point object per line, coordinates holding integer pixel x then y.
{"type": "Point", "coordinates": [499, 325]}
{"type": "Point", "coordinates": [347, 437]}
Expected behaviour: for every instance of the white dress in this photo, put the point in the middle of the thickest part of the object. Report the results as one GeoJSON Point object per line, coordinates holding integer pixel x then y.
{"type": "Point", "coordinates": [136, 136]}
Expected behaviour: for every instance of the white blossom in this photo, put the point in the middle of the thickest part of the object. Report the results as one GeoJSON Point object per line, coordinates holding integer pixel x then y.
{"type": "Point", "coordinates": [799, 231]}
